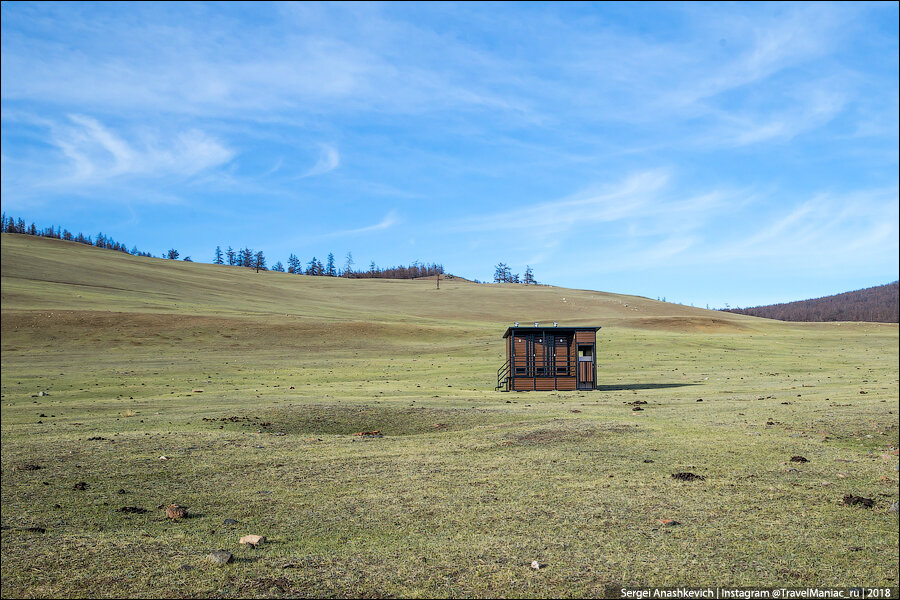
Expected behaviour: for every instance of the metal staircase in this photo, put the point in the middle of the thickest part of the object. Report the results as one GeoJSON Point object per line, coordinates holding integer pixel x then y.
{"type": "Point", "coordinates": [503, 378]}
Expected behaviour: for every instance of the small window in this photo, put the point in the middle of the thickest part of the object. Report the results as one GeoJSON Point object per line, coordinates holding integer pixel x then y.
{"type": "Point", "coordinates": [540, 371]}
{"type": "Point", "coordinates": [585, 353]}
{"type": "Point", "coordinates": [520, 370]}
{"type": "Point", "coordinates": [562, 370]}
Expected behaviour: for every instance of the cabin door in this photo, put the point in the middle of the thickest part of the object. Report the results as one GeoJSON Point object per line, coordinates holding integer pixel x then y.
{"type": "Point", "coordinates": [585, 367]}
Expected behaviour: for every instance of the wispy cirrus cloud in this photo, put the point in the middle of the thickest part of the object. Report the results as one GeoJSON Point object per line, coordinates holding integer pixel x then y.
{"type": "Point", "coordinates": [827, 228]}
{"type": "Point", "coordinates": [608, 203]}
{"type": "Point", "coordinates": [97, 153]}
{"type": "Point", "coordinates": [389, 220]}
{"type": "Point", "coordinates": [638, 200]}
{"type": "Point", "coordinates": [329, 160]}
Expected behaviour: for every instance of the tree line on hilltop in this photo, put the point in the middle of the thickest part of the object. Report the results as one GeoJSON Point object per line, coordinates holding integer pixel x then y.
{"type": "Point", "coordinates": [256, 259]}
{"type": "Point", "coordinates": [11, 225]}
{"type": "Point", "coordinates": [503, 274]}
{"type": "Point", "coordinates": [245, 257]}
{"type": "Point", "coordinates": [877, 304]}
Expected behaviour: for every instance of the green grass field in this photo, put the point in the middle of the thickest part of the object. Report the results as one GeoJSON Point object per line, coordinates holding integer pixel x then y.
{"type": "Point", "coordinates": [253, 386]}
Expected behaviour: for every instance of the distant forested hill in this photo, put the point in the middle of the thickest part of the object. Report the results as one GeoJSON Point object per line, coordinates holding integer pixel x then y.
{"type": "Point", "coordinates": [879, 303]}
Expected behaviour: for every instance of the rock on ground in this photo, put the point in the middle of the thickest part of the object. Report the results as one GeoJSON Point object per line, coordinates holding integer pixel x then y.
{"type": "Point", "coordinates": [253, 540]}
{"type": "Point", "coordinates": [220, 557]}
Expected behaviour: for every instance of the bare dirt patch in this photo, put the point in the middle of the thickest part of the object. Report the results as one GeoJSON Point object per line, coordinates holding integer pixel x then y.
{"type": "Point", "coordinates": [851, 500]}
{"type": "Point", "coordinates": [564, 432]}
{"type": "Point", "coordinates": [330, 419]}
{"type": "Point", "coordinates": [688, 477]}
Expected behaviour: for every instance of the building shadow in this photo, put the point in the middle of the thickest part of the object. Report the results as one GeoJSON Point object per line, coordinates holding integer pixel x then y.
{"type": "Point", "coordinates": [640, 386]}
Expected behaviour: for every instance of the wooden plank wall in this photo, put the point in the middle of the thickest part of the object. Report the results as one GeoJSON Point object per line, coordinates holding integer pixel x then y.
{"type": "Point", "coordinates": [585, 337]}
{"type": "Point", "coordinates": [518, 346]}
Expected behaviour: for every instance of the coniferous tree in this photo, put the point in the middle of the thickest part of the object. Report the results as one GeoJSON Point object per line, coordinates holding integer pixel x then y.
{"type": "Point", "coordinates": [294, 265]}
{"type": "Point", "coordinates": [329, 270]}
{"type": "Point", "coordinates": [218, 258]}
{"type": "Point", "coordinates": [502, 273]}
{"type": "Point", "coordinates": [348, 265]}
{"type": "Point", "coordinates": [259, 261]}
{"type": "Point", "coordinates": [245, 258]}
{"type": "Point", "coordinates": [232, 256]}
{"type": "Point", "coordinates": [278, 267]}
{"type": "Point", "coordinates": [529, 276]}
{"type": "Point", "coordinates": [172, 254]}
{"type": "Point", "coordinates": [311, 267]}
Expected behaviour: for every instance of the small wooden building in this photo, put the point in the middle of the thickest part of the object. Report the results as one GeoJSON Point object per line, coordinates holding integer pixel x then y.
{"type": "Point", "coordinates": [549, 358]}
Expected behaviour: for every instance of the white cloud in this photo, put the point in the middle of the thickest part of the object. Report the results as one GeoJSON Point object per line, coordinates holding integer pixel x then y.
{"type": "Point", "coordinates": [387, 222]}
{"type": "Point", "coordinates": [827, 228]}
{"type": "Point", "coordinates": [329, 160]}
{"type": "Point", "coordinates": [610, 203]}
{"type": "Point", "coordinates": [98, 154]}
{"type": "Point", "coordinates": [644, 201]}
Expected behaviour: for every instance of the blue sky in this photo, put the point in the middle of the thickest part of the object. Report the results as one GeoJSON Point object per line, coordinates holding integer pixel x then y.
{"type": "Point", "coordinates": [705, 153]}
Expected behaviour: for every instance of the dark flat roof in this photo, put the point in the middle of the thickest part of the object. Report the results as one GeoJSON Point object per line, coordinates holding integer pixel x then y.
{"type": "Point", "coordinates": [521, 329]}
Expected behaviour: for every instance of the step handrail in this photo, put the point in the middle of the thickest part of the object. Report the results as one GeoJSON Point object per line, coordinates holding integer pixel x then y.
{"type": "Point", "coordinates": [503, 375]}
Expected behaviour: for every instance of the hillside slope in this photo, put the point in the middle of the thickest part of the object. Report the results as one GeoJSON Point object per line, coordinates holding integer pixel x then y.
{"type": "Point", "coordinates": [49, 274]}
{"type": "Point", "coordinates": [880, 304]}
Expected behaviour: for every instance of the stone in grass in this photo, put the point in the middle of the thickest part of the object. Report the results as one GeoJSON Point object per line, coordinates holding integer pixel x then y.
{"type": "Point", "coordinates": [252, 540]}
{"type": "Point", "coordinates": [174, 511]}
{"type": "Point", "coordinates": [894, 508]}
{"type": "Point", "coordinates": [799, 459]}
{"type": "Point", "coordinates": [536, 565]}
{"type": "Point", "coordinates": [81, 486]}
{"type": "Point", "coordinates": [220, 557]}
{"type": "Point", "coordinates": [229, 522]}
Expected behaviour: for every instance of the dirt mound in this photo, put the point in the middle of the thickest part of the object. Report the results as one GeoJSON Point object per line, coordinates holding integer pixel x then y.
{"type": "Point", "coordinates": [684, 324]}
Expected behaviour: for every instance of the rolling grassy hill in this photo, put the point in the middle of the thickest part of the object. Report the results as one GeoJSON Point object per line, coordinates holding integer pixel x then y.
{"type": "Point", "coordinates": [252, 386]}
{"type": "Point", "coordinates": [43, 273]}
